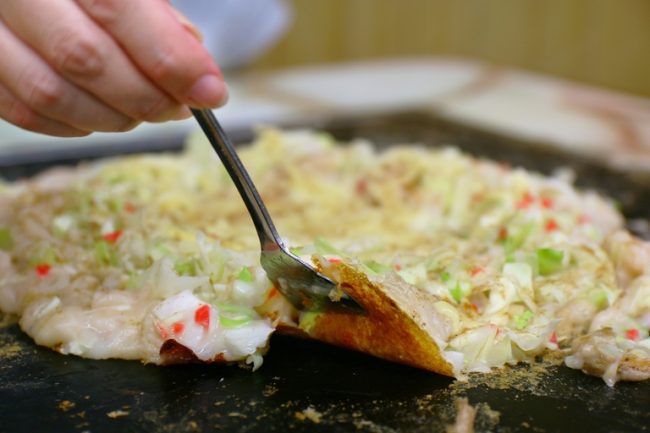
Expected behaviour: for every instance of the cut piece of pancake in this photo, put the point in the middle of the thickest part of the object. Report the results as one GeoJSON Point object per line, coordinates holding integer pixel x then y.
{"type": "Point", "coordinates": [401, 324]}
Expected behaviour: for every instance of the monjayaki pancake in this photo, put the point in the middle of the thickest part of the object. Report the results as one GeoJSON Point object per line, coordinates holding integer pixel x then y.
{"type": "Point", "coordinates": [463, 265]}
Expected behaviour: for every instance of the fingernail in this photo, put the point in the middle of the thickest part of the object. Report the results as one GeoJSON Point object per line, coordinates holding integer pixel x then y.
{"type": "Point", "coordinates": [208, 91]}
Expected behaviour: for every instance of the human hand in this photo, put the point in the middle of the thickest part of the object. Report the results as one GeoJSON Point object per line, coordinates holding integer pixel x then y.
{"type": "Point", "coordinates": [71, 67]}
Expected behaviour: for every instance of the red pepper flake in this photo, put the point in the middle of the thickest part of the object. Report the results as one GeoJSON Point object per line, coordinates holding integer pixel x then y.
{"type": "Point", "coordinates": [162, 331]}
{"type": "Point", "coordinates": [503, 233]}
{"type": "Point", "coordinates": [129, 207]}
{"type": "Point", "coordinates": [397, 267]}
{"type": "Point", "coordinates": [334, 260]}
{"type": "Point", "coordinates": [553, 338]}
{"type": "Point", "coordinates": [112, 237]}
{"type": "Point", "coordinates": [361, 186]}
{"type": "Point", "coordinates": [498, 330]}
{"type": "Point", "coordinates": [178, 328]}
{"type": "Point", "coordinates": [475, 270]}
{"type": "Point", "coordinates": [43, 269]}
{"type": "Point", "coordinates": [551, 225]}
{"type": "Point", "coordinates": [546, 202]}
{"type": "Point", "coordinates": [272, 293]}
{"type": "Point", "coordinates": [525, 201]}
{"type": "Point", "coordinates": [202, 316]}
{"type": "Point", "coordinates": [633, 334]}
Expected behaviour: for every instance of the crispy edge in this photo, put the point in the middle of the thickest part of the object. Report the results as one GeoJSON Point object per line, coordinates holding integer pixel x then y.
{"type": "Point", "coordinates": [395, 328]}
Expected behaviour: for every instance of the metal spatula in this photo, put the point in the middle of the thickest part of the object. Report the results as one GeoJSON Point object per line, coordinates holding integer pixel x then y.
{"type": "Point", "coordinates": [298, 281]}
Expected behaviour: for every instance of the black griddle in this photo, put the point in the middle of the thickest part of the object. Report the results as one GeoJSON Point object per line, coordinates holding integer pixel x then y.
{"type": "Point", "coordinates": [43, 391]}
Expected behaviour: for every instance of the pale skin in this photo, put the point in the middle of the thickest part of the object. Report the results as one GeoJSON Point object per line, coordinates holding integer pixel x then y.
{"type": "Point", "coordinates": [72, 67]}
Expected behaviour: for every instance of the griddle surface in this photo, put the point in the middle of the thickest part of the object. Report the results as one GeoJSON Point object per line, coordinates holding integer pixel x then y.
{"type": "Point", "coordinates": [43, 391]}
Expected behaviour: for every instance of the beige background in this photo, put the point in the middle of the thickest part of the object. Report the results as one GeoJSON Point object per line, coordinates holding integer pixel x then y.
{"type": "Point", "coordinates": [601, 42]}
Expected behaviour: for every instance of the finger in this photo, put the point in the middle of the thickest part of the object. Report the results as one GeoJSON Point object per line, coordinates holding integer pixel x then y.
{"type": "Point", "coordinates": [83, 53]}
{"type": "Point", "coordinates": [162, 48]}
{"type": "Point", "coordinates": [41, 89]}
{"type": "Point", "coordinates": [17, 113]}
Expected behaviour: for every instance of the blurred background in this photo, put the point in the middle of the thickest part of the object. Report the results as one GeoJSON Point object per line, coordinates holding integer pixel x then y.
{"type": "Point", "coordinates": [572, 75]}
{"type": "Point", "coordinates": [599, 42]}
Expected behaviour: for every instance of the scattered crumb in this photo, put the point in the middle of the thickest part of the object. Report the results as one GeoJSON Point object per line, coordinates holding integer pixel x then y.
{"type": "Point", "coordinates": [488, 414]}
{"type": "Point", "coordinates": [465, 415]}
{"type": "Point", "coordinates": [6, 320]}
{"type": "Point", "coordinates": [310, 413]}
{"type": "Point", "coordinates": [10, 350]}
{"type": "Point", "coordinates": [66, 405]}
{"type": "Point", "coordinates": [237, 415]}
{"type": "Point", "coordinates": [524, 377]}
{"type": "Point", "coordinates": [117, 413]}
{"type": "Point", "coordinates": [269, 390]}
{"type": "Point", "coordinates": [193, 425]}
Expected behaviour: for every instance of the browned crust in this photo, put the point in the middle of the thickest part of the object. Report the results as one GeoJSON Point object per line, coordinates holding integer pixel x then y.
{"type": "Point", "coordinates": [173, 352]}
{"type": "Point", "coordinates": [394, 328]}
{"type": "Point", "coordinates": [634, 368]}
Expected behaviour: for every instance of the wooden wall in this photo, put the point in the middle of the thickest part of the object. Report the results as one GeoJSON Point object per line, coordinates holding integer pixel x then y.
{"type": "Point", "coordinates": [602, 42]}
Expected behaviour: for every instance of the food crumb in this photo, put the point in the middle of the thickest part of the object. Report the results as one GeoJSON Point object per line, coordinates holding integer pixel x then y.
{"type": "Point", "coordinates": [117, 413]}
{"type": "Point", "coordinates": [310, 413]}
{"type": "Point", "coordinates": [269, 390]}
{"type": "Point", "coordinates": [237, 415]}
{"type": "Point", "coordinates": [66, 405]}
{"type": "Point", "coordinates": [465, 415]}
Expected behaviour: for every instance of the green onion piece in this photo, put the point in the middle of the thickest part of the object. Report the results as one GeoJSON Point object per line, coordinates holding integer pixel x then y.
{"type": "Point", "coordinates": [599, 298]}
{"type": "Point", "coordinates": [523, 320]}
{"type": "Point", "coordinates": [104, 254]}
{"type": "Point", "coordinates": [444, 276]}
{"type": "Point", "coordinates": [376, 267]}
{"type": "Point", "coordinates": [6, 241]}
{"type": "Point", "coordinates": [46, 256]}
{"type": "Point", "coordinates": [295, 250]}
{"type": "Point", "coordinates": [233, 322]}
{"type": "Point", "coordinates": [233, 316]}
{"type": "Point", "coordinates": [549, 260]}
{"type": "Point", "coordinates": [307, 320]}
{"type": "Point", "coordinates": [456, 292]}
{"type": "Point", "coordinates": [514, 242]}
{"type": "Point", "coordinates": [324, 247]}
{"type": "Point", "coordinates": [187, 267]}
{"type": "Point", "coordinates": [245, 275]}
{"type": "Point", "coordinates": [115, 205]}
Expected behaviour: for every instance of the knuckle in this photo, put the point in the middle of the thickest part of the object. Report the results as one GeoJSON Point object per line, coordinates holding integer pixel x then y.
{"type": "Point", "coordinates": [106, 11]}
{"type": "Point", "coordinates": [78, 55]}
{"type": "Point", "coordinates": [154, 109]}
{"type": "Point", "coordinates": [44, 93]}
{"type": "Point", "coordinates": [165, 67]}
{"type": "Point", "coordinates": [21, 116]}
